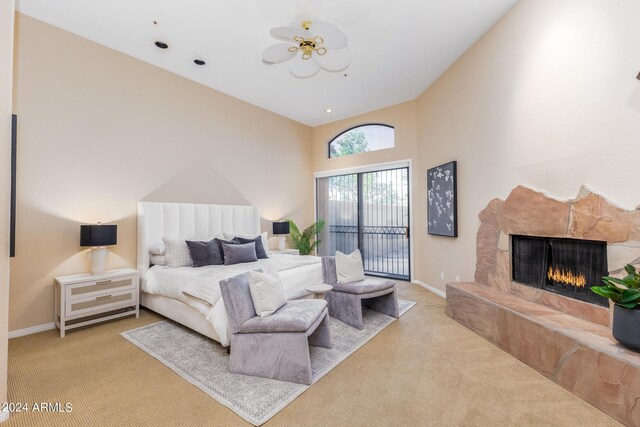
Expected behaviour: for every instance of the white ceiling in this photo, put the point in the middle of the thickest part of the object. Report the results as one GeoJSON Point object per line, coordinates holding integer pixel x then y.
{"type": "Point", "coordinates": [399, 47]}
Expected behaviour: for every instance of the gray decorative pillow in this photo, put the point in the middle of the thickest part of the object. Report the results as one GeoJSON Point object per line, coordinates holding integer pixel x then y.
{"type": "Point", "coordinates": [205, 253]}
{"type": "Point", "coordinates": [220, 241]}
{"type": "Point", "coordinates": [260, 252]}
{"type": "Point", "coordinates": [239, 253]}
{"type": "Point", "coordinates": [329, 275]}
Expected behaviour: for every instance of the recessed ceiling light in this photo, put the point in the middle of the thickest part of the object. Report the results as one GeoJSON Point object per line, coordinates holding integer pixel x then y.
{"type": "Point", "coordinates": [199, 61]}
{"type": "Point", "coordinates": [161, 45]}
{"type": "Point", "coordinates": [328, 110]}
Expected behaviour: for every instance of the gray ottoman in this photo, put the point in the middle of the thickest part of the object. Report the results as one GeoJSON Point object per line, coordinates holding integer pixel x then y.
{"type": "Point", "coordinates": [347, 299]}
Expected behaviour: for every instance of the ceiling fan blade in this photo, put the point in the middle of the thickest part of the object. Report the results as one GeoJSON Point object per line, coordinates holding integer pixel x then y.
{"type": "Point", "coordinates": [288, 33]}
{"type": "Point", "coordinates": [277, 53]}
{"type": "Point", "coordinates": [303, 68]}
{"type": "Point", "coordinates": [333, 36]}
{"type": "Point", "coordinates": [335, 59]}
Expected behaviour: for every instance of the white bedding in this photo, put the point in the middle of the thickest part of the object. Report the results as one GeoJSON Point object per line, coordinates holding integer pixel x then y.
{"type": "Point", "coordinates": [296, 272]}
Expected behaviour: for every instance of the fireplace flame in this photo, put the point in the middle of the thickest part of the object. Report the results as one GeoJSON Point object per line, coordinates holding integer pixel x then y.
{"type": "Point", "coordinates": [566, 277]}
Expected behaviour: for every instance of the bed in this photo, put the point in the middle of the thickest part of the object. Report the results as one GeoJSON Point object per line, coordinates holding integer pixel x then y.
{"type": "Point", "coordinates": [162, 287]}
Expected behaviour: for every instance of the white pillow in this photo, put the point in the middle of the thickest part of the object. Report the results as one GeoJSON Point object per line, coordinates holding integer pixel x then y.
{"type": "Point", "coordinates": [349, 268]}
{"type": "Point", "coordinates": [267, 292]}
{"type": "Point", "coordinates": [265, 239]}
{"type": "Point", "coordinates": [157, 248]}
{"type": "Point", "coordinates": [177, 253]}
{"type": "Point", "coordinates": [158, 260]}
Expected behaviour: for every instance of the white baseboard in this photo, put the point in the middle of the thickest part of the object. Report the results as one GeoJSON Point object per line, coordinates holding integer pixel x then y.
{"type": "Point", "coordinates": [430, 288]}
{"type": "Point", "coordinates": [32, 330]}
{"type": "Point", "coordinates": [4, 416]}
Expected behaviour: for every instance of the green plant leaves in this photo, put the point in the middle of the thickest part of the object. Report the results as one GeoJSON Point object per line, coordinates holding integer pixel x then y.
{"type": "Point", "coordinates": [630, 295]}
{"type": "Point", "coordinates": [605, 292]}
{"type": "Point", "coordinates": [623, 292]}
{"type": "Point", "coordinates": [304, 242]}
{"type": "Point", "coordinates": [629, 305]}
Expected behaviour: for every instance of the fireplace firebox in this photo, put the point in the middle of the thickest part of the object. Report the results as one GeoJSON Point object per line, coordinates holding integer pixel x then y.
{"type": "Point", "coordinates": [567, 267]}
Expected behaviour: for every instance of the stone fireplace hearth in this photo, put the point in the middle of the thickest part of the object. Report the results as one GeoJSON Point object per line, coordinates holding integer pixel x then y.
{"type": "Point", "coordinates": [529, 213]}
{"type": "Point", "coordinates": [551, 321]}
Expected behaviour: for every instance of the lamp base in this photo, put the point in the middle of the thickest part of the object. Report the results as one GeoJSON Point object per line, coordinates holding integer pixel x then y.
{"type": "Point", "coordinates": [282, 242]}
{"type": "Point", "coordinates": [98, 260]}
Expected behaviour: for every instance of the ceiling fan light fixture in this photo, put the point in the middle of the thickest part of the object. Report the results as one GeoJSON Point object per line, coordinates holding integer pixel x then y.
{"type": "Point", "coordinates": [328, 110]}
{"type": "Point", "coordinates": [309, 44]}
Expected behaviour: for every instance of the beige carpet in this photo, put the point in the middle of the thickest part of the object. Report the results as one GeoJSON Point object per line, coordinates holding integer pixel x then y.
{"type": "Point", "coordinates": [436, 372]}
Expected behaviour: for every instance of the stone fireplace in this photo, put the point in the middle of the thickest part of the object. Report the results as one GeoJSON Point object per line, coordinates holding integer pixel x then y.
{"type": "Point", "coordinates": [536, 260]}
{"type": "Point", "coordinates": [567, 267]}
{"type": "Point", "coordinates": [589, 217]}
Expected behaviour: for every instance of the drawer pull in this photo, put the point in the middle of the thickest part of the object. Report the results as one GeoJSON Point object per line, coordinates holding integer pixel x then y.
{"type": "Point", "coordinates": [103, 297]}
{"type": "Point", "coordinates": [104, 282]}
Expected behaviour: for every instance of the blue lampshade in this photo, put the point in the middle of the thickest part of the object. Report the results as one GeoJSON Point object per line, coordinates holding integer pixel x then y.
{"type": "Point", "coordinates": [281, 227]}
{"type": "Point", "coordinates": [98, 235]}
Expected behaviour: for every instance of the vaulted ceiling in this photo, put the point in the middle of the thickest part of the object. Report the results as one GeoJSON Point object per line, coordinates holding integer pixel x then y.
{"type": "Point", "coordinates": [398, 48]}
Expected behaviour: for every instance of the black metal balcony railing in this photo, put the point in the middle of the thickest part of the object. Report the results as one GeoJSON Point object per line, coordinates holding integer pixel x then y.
{"type": "Point", "coordinates": [385, 249]}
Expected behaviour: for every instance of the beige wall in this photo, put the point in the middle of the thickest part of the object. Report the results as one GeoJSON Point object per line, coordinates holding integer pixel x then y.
{"type": "Point", "coordinates": [6, 76]}
{"type": "Point", "coordinates": [547, 98]}
{"type": "Point", "coordinates": [99, 131]}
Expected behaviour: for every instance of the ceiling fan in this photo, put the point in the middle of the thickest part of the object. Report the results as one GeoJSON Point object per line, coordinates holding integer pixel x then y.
{"type": "Point", "coordinates": [314, 46]}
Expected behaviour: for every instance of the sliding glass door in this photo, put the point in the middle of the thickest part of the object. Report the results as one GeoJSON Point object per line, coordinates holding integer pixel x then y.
{"type": "Point", "coordinates": [368, 211]}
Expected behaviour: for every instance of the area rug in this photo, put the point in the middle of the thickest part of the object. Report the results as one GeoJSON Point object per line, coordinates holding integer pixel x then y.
{"type": "Point", "coordinates": [203, 363]}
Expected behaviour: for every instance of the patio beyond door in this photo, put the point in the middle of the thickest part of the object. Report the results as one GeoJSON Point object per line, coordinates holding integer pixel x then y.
{"type": "Point", "coordinates": [367, 211]}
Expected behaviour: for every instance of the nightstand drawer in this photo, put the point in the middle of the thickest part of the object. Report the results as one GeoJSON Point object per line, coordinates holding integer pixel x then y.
{"type": "Point", "coordinates": [87, 289]}
{"type": "Point", "coordinates": [107, 301]}
{"type": "Point", "coordinates": [85, 299]}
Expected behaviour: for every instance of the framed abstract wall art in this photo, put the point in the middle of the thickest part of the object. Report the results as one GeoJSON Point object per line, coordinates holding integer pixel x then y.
{"type": "Point", "coordinates": [442, 201]}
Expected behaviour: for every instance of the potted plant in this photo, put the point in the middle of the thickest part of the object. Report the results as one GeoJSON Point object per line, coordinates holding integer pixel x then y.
{"type": "Point", "coordinates": [625, 293]}
{"type": "Point", "coordinates": [306, 241]}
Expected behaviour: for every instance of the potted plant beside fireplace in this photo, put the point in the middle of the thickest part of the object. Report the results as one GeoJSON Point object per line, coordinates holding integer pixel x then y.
{"type": "Point", "coordinates": [625, 293]}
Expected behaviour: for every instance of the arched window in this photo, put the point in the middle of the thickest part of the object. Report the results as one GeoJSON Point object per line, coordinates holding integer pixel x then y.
{"type": "Point", "coordinates": [361, 139]}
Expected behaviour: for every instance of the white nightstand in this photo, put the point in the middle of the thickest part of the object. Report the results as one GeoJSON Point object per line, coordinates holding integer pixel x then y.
{"type": "Point", "coordinates": [85, 299]}
{"type": "Point", "coordinates": [286, 252]}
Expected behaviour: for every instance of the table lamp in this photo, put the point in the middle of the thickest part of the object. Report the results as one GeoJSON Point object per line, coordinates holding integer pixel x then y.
{"type": "Point", "coordinates": [98, 236]}
{"type": "Point", "coordinates": [280, 229]}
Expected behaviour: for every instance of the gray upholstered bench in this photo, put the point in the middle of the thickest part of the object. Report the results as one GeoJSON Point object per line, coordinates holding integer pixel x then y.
{"type": "Point", "coordinates": [276, 346]}
{"type": "Point", "coordinates": [347, 299]}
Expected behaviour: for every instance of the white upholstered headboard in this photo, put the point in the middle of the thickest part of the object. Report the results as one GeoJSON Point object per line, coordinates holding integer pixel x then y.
{"type": "Point", "coordinates": [189, 221]}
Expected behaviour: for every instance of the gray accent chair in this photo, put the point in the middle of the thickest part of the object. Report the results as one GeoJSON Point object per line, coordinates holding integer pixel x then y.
{"type": "Point", "coordinates": [347, 299]}
{"type": "Point", "coordinates": [276, 346]}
